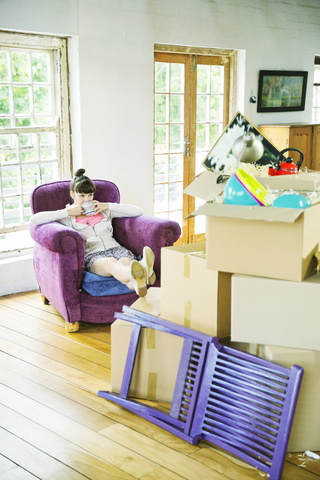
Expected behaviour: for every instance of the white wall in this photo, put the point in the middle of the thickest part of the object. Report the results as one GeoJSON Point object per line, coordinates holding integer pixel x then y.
{"type": "Point", "coordinates": [111, 66]}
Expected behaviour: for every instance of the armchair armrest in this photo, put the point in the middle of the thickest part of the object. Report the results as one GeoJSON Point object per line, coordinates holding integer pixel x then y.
{"type": "Point", "coordinates": [57, 238]}
{"type": "Point", "coordinates": [135, 232]}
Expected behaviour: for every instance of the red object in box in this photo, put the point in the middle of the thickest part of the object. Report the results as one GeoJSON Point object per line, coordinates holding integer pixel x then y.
{"type": "Point", "coordinates": [286, 167]}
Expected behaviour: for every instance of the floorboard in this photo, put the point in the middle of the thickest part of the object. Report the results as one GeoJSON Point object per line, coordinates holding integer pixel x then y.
{"type": "Point", "coordinates": [54, 426]}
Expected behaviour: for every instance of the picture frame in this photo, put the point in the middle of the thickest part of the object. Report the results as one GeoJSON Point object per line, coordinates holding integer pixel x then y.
{"type": "Point", "coordinates": [221, 157]}
{"type": "Point", "coordinates": [281, 91]}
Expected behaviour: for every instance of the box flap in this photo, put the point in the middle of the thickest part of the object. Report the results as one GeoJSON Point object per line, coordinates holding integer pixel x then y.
{"type": "Point", "coordinates": [269, 214]}
{"type": "Point", "coordinates": [205, 185]}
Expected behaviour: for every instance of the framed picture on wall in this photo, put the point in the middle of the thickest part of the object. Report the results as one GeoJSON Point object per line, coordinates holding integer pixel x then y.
{"type": "Point", "coordinates": [281, 91]}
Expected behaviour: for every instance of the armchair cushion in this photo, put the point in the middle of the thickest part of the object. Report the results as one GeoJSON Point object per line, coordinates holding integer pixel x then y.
{"type": "Point", "coordinates": [99, 286]}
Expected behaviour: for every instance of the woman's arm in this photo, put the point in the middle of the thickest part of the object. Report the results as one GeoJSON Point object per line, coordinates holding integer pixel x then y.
{"type": "Point", "coordinates": [62, 216]}
{"type": "Point", "coordinates": [122, 210]}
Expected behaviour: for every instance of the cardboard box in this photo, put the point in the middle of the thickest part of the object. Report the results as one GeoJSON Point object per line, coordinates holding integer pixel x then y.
{"type": "Point", "coordinates": [305, 433]}
{"type": "Point", "coordinates": [276, 312]}
{"type": "Point", "coordinates": [158, 357]}
{"type": "Point", "coordinates": [262, 241]}
{"type": "Point", "coordinates": [205, 185]}
{"type": "Point", "coordinates": [191, 294]}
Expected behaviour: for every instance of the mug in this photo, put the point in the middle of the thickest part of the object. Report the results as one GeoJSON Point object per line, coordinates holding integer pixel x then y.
{"type": "Point", "coordinates": [89, 208]}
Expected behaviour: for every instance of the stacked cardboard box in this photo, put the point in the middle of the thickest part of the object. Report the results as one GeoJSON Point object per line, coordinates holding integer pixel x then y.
{"type": "Point", "coordinates": [267, 256]}
{"type": "Point", "coordinates": [275, 286]}
{"type": "Point", "coordinates": [193, 295]}
{"type": "Point", "coordinates": [158, 357]}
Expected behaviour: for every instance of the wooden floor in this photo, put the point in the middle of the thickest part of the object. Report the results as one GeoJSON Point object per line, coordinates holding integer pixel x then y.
{"type": "Point", "coordinates": [54, 426]}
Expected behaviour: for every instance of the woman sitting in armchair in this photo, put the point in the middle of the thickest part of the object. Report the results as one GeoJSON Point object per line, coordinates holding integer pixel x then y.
{"type": "Point", "coordinates": [104, 256]}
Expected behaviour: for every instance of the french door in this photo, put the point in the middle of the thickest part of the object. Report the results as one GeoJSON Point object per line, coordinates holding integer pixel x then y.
{"type": "Point", "coordinates": [191, 95]}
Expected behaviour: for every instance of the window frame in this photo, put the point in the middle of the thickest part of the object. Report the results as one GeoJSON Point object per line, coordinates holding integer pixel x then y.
{"type": "Point", "coordinates": [60, 98]}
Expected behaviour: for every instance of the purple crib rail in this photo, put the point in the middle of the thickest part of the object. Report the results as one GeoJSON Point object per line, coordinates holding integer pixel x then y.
{"type": "Point", "coordinates": [234, 400]}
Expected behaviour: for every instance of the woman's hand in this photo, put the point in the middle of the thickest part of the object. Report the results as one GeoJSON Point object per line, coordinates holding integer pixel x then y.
{"type": "Point", "coordinates": [75, 210]}
{"type": "Point", "coordinates": [101, 207]}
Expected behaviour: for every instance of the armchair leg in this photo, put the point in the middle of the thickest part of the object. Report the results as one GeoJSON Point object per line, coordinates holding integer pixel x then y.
{"type": "Point", "coordinates": [72, 327]}
{"type": "Point", "coordinates": [45, 300]}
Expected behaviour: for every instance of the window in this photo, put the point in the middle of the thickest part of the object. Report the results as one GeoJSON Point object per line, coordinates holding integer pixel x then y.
{"type": "Point", "coordinates": [34, 125]}
{"type": "Point", "coordinates": [191, 109]}
{"type": "Point", "coordinates": [316, 91]}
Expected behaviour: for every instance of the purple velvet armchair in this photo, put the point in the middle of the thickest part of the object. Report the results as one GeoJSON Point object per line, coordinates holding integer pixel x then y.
{"type": "Point", "coordinates": [59, 253]}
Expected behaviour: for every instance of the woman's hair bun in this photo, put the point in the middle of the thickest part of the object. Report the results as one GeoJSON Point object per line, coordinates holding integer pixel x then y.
{"type": "Point", "coordinates": [80, 172]}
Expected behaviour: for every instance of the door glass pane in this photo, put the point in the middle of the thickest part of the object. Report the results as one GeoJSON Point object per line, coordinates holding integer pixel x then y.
{"type": "Point", "coordinates": [161, 169]}
{"type": "Point", "coordinates": [210, 84]}
{"type": "Point", "coordinates": [168, 139]}
{"type": "Point", "coordinates": [176, 78]}
{"type": "Point", "coordinates": [160, 108]}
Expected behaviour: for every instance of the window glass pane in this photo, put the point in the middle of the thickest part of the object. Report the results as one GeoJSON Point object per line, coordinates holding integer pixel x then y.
{"type": "Point", "coordinates": [176, 138]}
{"type": "Point", "coordinates": [43, 121]}
{"type": "Point", "coordinates": [23, 121]}
{"type": "Point", "coordinates": [30, 156]}
{"type": "Point", "coordinates": [8, 142]}
{"type": "Point", "coordinates": [161, 198]}
{"type": "Point", "coordinates": [47, 139]}
{"type": "Point", "coordinates": [216, 79]}
{"type": "Point", "coordinates": [316, 97]}
{"type": "Point", "coordinates": [19, 67]}
{"type": "Point", "coordinates": [10, 180]}
{"type": "Point", "coordinates": [176, 168]}
{"type": "Point", "coordinates": [176, 108]}
{"type": "Point", "coordinates": [161, 108]}
{"type": "Point", "coordinates": [161, 168]}
{"type": "Point", "coordinates": [29, 177]}
{"type": "Point", "coordinates": [21, 99]}
{"type": "Point", "coordinates": [176, 78]}
{"type": "Point", "coordinates": [42, 101]}
{"type": "Point", "coordinates": [4, 100]}
{"type": "Point", "coordinates": [49, 172]}
{"type": "Point", "coordinates": [11, 211]}
{"type": "Point", "coordinates": [317, 75]}
{"type": "Point", "coordinates": [161, 77]}
{"type": "Point", "coordinates": [160, 133]}
{"type": "Point", "coordinates": [7, 158]}
{"type": "Point", "coordinates": [175, 196]}
{"type": "Point", "coordinates": [46, 154]}
{"type": "Point", "coordinates": [27, 140]}
{"type": "Point", "coordinates": [5, 122]}
{"type": "Point", "coordinates": [202, 79]}
{"type": "Point", "coordinates": [26, 209]}
{"type": "Point", "coordinates": [3, 67]}
{"type": "Point", "coordinates": [40, 67]}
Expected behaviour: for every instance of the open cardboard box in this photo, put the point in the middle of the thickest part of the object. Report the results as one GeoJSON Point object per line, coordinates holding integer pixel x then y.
{"type": "Point", "coordinates": [261, 241]}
